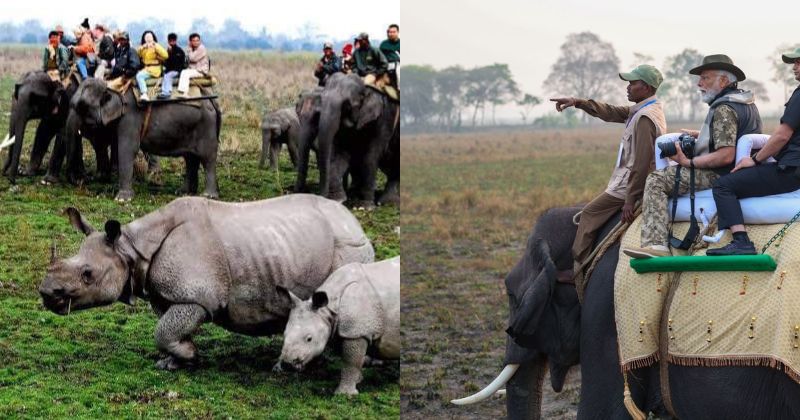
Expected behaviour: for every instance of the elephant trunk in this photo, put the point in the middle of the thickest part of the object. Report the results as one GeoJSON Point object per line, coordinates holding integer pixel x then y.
{"type": "Point", "coordinates": [20, 113]}
{"type": "Point", "coordinates": [329, 122]}
{"type": "Point", "coordinates": [308, 132]}
{"type": "Point", "coordinates": [490, 389]}
{"type": "Point", "coordinates": [524, 392]}
{"type": "Point", "coordinates": [265, 146]}
{"type": "Point", "coordinates": [72, 142]}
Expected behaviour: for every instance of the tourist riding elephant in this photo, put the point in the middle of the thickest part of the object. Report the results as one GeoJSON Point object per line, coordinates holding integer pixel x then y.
{"type": "Point", "coordinates": [358, 131]}
{"type": "Point", "coordinates": [36, 96]}
{"type": "Point", "coordinates": [278, 128]}
{"type": "Point", "coordinates": [543, 325]}
{"type": "Point", "coordinates": [171, 129]}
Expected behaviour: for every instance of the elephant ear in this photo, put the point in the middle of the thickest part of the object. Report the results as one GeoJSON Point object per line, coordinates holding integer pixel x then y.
{"type": "Point", "coordinates": [111, 107]}
{"type": "Point", "coordinates": [526, 317]}
{"type": "Point", "coordinates": [371, 108]}
{"type": "Point", "coordinates": [360, 314]}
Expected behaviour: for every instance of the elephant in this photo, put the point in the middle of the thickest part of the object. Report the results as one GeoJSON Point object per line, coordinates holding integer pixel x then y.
{"type": "Point", "coordinates": [358, 131]}
{"type": "Point", "coordinates": [307, 109]}
{"type": "Point", "coordinates": [36, 96]}
{"type": "Point", "coordinates": [279, 127]}
{"type": "Point", "coordinates": [171, 129]}
{"type": "Point", "coordinates": [543, 327]}
{"type": "Point", "coordinates": [198, 260]}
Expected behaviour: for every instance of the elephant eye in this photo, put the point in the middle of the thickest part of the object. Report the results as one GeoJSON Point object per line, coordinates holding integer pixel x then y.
{"type": "Point", "coordinates": [308, 339]}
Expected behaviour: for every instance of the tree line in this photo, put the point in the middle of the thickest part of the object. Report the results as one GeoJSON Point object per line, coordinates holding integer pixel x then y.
{"type": "Point", "coordinates": [229, 35]}
{"type": "Point", "coordinates": [454, 97]}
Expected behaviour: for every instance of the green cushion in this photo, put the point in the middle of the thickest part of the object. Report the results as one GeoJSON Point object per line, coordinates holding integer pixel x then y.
{"type": "Point", "coordinates": [761, 262]}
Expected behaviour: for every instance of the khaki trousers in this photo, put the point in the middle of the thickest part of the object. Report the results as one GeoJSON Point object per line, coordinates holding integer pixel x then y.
{"type": "Point", "coordinates": [593, 217]}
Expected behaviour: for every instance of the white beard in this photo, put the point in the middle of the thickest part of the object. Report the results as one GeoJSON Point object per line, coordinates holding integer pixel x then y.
{"type": "Point", "coordinates": [709, 96]}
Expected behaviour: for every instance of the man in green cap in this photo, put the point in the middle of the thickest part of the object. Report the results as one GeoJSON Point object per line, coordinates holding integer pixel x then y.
{"type": "Point", "coordinates": [732, 113]}
{"type": "Point", "coordinates": [754, 177]}
{"type": "Point", "coordinates": [643, 121]}
{"type": "Point", "coordinates": [370, 62]}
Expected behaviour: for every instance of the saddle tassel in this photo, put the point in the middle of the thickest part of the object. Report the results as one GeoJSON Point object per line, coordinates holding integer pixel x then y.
{"type": "Point", "coordinates": [630, 405]}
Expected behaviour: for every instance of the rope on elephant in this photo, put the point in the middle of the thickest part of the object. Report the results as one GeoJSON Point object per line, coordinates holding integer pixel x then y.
{"type": "Point", "coordinates": [145, 122]}
{"type": "Point", "coordinates": [583, 274]}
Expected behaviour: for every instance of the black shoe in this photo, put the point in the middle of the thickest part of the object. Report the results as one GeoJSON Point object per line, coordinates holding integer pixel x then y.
{"type": "Point", "coordinates": [734, 248]}
{"type": "Point", "coordinates": [161, 96]}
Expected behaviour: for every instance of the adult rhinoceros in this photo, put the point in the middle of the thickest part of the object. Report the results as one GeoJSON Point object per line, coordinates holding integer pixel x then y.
{"type": "Point", "coordinates": [198, 260]}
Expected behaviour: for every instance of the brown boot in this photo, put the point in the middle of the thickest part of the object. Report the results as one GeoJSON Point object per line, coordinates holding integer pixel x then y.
{"type": "Point", "coordinates": [651, 251]}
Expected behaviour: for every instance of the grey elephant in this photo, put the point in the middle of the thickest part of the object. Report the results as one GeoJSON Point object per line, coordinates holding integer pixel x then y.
{"type": "Point", "coordinates": [307, 109]}
{"type": "Point", "coordinates": [278, 128]}
{"type": "Point", "coordinates": [358, 304]}
{"type": "Point", "coordinates": [547, 325]}
{"type": "Point", "coordinates": [198, 260]}
{"type": "Point", "coordinates": [36, 96]}
{"type": "Point", "coordinates": [172, 129]}
{"type": "Point", "coordinates": [358, 131]}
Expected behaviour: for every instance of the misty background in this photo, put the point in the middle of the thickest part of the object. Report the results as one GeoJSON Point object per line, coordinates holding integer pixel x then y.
{"type": "Point", "coordinates": [483, 64]}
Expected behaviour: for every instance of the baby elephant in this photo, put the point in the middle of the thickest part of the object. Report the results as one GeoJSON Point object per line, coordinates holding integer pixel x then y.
{"type": "Point", "coordinates": [358, 303]}
{"type": "Point", "coordinates": [279, 127]}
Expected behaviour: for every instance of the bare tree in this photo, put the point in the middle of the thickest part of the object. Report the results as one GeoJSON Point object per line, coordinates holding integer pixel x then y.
{"type": "Point", "coordinates": [682, 87]}
{"type": "Point", "coordinates": [527, 103]}
{"type": "Point", "coordinates": [588, 67]}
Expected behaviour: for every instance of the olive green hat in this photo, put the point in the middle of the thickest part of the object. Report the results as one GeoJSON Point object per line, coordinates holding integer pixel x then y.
{"type": "Point", "coordinates": [718, 62]}
{"type": "Point", "coordinates": [790, 57]}
{"type": "Point", "coordinates": [645, 73]}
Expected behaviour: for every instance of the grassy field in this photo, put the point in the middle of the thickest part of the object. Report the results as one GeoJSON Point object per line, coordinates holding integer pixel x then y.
{"type": "Point", "coordinates": [469, 203]}
{"type": "Point", "coordinates": [100, 362]}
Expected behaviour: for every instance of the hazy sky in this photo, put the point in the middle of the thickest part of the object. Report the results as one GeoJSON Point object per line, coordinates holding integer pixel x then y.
{"type": "Point", "coordinates": [335, 18]}
{"type": "Point", "coordinates": [528, 34]}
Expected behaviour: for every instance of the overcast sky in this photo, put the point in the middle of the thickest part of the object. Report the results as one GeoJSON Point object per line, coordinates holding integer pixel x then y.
{"type": "Point", "coordinates": [528, 34]}
{"type": "Point", "coordinates": [334, 18]}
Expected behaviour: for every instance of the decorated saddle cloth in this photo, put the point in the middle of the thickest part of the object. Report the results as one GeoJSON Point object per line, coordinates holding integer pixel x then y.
{"type": "Point", "coordinates": [713, 318]}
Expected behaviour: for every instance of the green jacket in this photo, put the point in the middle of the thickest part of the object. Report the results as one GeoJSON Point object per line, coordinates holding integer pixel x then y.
{"type": "Point", "coordinates": [391, 50]}
{"type": "Point", "coordinates": [370, 61]}
{"type": "Point", "coordinates": [61, 59]}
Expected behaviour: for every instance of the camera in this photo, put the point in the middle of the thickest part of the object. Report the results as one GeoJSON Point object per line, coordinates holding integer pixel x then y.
{"type": "Point", "coordinates": [686, 143]}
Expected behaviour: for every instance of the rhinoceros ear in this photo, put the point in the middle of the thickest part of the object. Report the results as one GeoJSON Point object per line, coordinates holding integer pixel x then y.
{"type": "Point", "coordinates": [78, 221]}
{"type": "Point", "coordinates": [319, 300]}
{"type": "Point", "coordinates": [112, 232]}
{"type": "Point", "coordinates": [292, 297]}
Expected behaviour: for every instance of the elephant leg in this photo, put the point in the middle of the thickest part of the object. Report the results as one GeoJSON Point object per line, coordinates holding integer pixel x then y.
{"type": "Point", "coordinates": [190, 179]}
{"type": "Point", "coordinates": [367, 171]}
{"type": "Point", "coordinates": [292, 146]}
{"type": "Point", "coordinates": [524, 390]}
{"type": "Point", "coordinates": [173, 335]}
{"type": "Point", "coordinates": [210, 168]}
{"type": "Point", "coordinates": [128, 148]}
{"type": "Point", "coordinates": [103, 160]}
{"type": "Point", "coordinates": [44, 134]}
{"type": "Point", "coordinates": [353, 353]}
{"type": "Point", "coordinates": [76, 172]}
{"type": "Point", "coordinates": [56, 160]}
{"type": "Point", "coordinates": [274, 154]}
{"type": "Point", "coordinates": [338, 167]}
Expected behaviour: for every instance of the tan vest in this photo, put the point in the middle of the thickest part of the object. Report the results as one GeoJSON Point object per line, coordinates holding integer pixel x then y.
{"type": "Point", "coordinates": [618, 184]}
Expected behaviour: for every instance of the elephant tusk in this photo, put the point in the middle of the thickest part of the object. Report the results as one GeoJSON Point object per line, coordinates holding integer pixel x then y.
{"type": "Point", "coordinates": [490, 389]}
{"type": "Point", "coordinates": [69, 308]}
{"type": "Point", "coordinates": [7, 142]}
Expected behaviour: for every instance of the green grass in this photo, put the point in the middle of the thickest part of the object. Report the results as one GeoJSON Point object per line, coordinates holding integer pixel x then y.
{"type": "Point", "coordinates": [100, 362]}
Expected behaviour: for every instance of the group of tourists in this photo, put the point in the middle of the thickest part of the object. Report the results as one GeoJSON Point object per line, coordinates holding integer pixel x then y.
{"type": "Point", "coordinates": [95, 50]}
{"type": "Point", "coordinates": [377, 65]}
{"type": "Point", "coordinates": [732, 114]}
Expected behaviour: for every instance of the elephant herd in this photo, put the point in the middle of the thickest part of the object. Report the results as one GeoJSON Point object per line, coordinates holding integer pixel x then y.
{"type": "Point", "coordinates": [353, 129]}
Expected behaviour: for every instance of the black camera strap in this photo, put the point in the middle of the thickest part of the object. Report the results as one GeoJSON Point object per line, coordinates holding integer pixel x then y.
{"type": "Point", "coordinates": [694, 228]}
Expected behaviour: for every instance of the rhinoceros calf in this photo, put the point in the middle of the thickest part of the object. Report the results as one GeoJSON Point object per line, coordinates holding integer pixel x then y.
{"type": "Point", "coordinates": [198, 260]}
{"type": "Point", "coordinates": [359, 303]}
